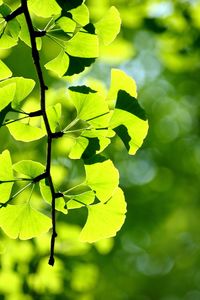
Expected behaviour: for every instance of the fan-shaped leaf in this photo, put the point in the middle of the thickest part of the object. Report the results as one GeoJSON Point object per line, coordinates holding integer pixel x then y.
{"type": "Point", "coordinates": [44, 8]}
{"type": "Point", "coordinates": [5, 72]}
{"type": "Point", "coordinates": [66, 24]}
{"type": "Point", "coordinates": [109, 26]}
{"type": "Point", "coordinates": [29, 168]}
{"type": "Point", "coordinates": [23, 221]}
{"type": "Point", "coordinates": [80, 200]}
{"type": "Point", "coordinates": [6, 174]}
{"type": "Point", "coordinates": [25, 132]}
{"type": "Point", "coordinates": [80, 14]}
{"type": "Point", "coordinates": [59, 64]}
{"type": "Point", "coordinates": [103, 178]}
{"type": "Point", "coordinates": [104, 219]}
{"type": "Point", "coordinates": [7, 93]}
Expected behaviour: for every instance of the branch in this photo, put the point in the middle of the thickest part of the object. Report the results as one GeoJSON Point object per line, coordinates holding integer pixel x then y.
{"type": "Point", "coordinates": [43, 88]}
{"type": "Point", "coordinates": [14, 14]}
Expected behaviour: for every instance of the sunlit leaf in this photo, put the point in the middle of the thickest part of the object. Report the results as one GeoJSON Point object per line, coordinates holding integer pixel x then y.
{"type": "Point", "coordinates": [59, 64]}
{"type": "Point", "coordinates": [7, 94]}
{"type": "Point", "coordinates": [66, 24]}
{"type": "Point", "coordinates": [80, 200]}
{"type": "Point", "coordinates": [6, 174]}
{"type": "Point", "coordinates": [6, 42]}
{"type": "Point", "coordinates": [23, 222]}
{"type": "Point", "coordinates": [78, 65]}
{"type": "Point", "coordinates": [54, 115]}
{"type": "Point", "coordinates": [89, 104]}
{"type": "Point", "coordinates": [109, 26]}
{"type": "Point", "coordinates": [44, 8]}
{"type": "Point", "coordinates": [29, 168]}
{"type": "Point", "coordinates": [69, 4]}
{"type": "Point", "coordinates": [25, 132]}
{"type": "Point", "coordinates": [24, 33]}
{"type": "Point", "coordinates": [80, 14]}
{"type": "Point", "coordinates": [103, 178]}
{"type": "Point", "coordinates": [83, 45]}
{"type": "Point", "coordinates": [47, 196]}
{"type": "Point", "coordinates": [5, 72]}
{"type": "Point", "coordinates": [104, 219]}
{"type": "Point", "coordinates": [24, 87]}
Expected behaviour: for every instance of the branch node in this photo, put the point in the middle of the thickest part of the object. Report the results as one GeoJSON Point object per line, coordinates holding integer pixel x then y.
{"type": "Point", "coordinates": [40, 33]}
{"type": "Point", "coordinates": [35, 113]}
{"type": "Point", "coordinates": [55, 135]}
{"type": "Point", "coordinates": [14, 14]}
{"type": "Point", "coordinates": [40, 177]}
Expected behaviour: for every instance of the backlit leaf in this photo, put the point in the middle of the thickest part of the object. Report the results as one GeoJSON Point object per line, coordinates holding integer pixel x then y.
{"type": "Point", "coordinates": [5, 72]}
{"type": "Point", "coordinates": [104, 219]}
{"type": "Point", "coordinates": [109, 26]}
{"type": "Point", "coordinates": [66, 24]}
{"type": "Point", "coordinates": [103, 178]}
{"type": "Point", "coordinates": [80, 14]}
{"type": "Point", "coordinates": [44, 8]}
{"type": "Point", "coordinates": [23, 221]}
{"type": "Point", "coordinates": [7, 94]}
{"type": "Point", "coordinates": [59, 64]}
{"type": "Point", "coordinates": [6, 174]}
{"type": "Point", "coordinates": [25, 132]}
{"type": "Point", "coordinates": [83, 45]}
{"type": "Point", "coordinates": [54, 115]}
{"type": "Point", "coordinates": [29, 168]}
{"type": "Point", "coordinates": [80, 200]}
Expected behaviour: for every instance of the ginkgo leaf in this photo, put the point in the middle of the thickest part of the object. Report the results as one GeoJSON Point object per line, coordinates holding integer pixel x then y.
{"type": "Point", "coordinates": [6, 41]}
{"type": "Point", "coordinates": [25, 132]}
{"type": "Point", "coordinates": [6, 174]}
{"type": "Point", "coordinates": [44, 8]}
{"type": "Point", "coordinates": [129, 122]}
{"type": "Point", "coordinates": [29, 168]}
{"type": "Point", "coordinates": [5, 72]}
{"type": "Point", "coordinates": [24, 33]}
{"type": "Point", "coordinates": [80, 14]}
{"type": "Point", "coordinates": [24, 87]}
{"type": "Point", "coordinates": [109, 26]}
{"type": "Point", "coordinates": [47, 196]}
{"type": "Point", "coordinates": [78, 65]}
{"type": "Point", "coordinates": [104, 219]}
{"type": "Point", "coordinates": [23, 221]}
{"type": "Point", "coordinates": [66, 24]}
{"type": "Point", "coordinates": [80, 200]}
{"type": "Point", "coordinates": [83, 45]}
{"type": "Point", "coordinates": [54, 115]}
{"type": "Point", "coordinates": [89, 104]}
{"type": "Point", "coordinates": [59, 64]}
{"type": "Point", "coordinates": [7, 93]}
{"type": "Point", "coordinates": [120, 81]}
{"type": "Point", "coordinates": [69, 4]}
{"type": "Point", "coordinates": [103, 178]}
{"type": "Point", "coordinates": [78, 148]}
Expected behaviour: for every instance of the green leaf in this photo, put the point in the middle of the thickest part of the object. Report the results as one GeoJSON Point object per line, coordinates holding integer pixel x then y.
{"type": "Point", "coordinates": [54, 115]}
{"type": "Point", "coordinates": [78, 148]}
{"type": "Point", "coordinates": [47, 196]}
{"type": "Point", "coordinates": [29, 168]}
{"type": "Point", "coordinates": [69, 4]}
{"type": "Point", "coordinates": [80, 14]}
{"type": "Point", "coordinates": [120, 81]}
{"type": "Point", "coordinates": [44, 8]}
{"type": "Point", "coordinates": [104, 219]}
{"type": "Point", "coordinates": [77, 65]}
{"type": "Point", "coordinates": [103, 178]}
{"type": "Point", "coordinates": [83, 45]}
{"type": "Point", "coordinates": [59, 65]}
{"type": "Point", "coordinates": [5, 72]}
{"type": "Point", "coordinates": [6, 41]}
{"type": "Point", "coordinates": [66, 24]}
{"type": "Point", "coordinates": [7, 94]}
{"type": "Point", "coordinates": [24, 32]}
{"type": "Point", "coordinates": [24, 132]}
{"type": "Point", "coordinates": [6, 173]}
{"type": "Point", "coordinates": [88, 104]}
{"type": "Point", "coordinates": [13, 28]}
{"type": "Point", "coordinates": [23, 222]}
{"type": "Point", "coordinates": [109, 26]}
{"type": "Point", "coordinates": [24, 87]}
{"type": "Point", "coordinates": [80, 200]}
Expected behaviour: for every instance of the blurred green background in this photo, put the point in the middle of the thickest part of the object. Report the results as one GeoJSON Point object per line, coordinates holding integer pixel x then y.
{"type": "Point", "coordinates": [156, 255]}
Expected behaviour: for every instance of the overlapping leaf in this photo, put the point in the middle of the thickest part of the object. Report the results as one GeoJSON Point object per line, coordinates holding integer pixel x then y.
{"type": "Point", "coordinates": [6, 174]}
{"type": "Point", "coordinates": [5, 72]}
{"type": "Point", "coordinates": [44, 8]}
{"type": "Point", "coordinates": [25, 132]}
{"type": "Point", "coordinates": [104, 219]}
{"type": "Point", "coordinates": [29, 168]}
{"type": "Point", "coordinates": [80, 200]}
{"type": "Point", "coordinates": [23, 221]}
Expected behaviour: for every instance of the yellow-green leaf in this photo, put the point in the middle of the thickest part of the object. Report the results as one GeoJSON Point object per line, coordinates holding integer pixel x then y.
{"type": "Point", "coordinates": [44, 8]}
{"type": "Point", "coordinates": [7, 93]}
{"type": "Point", "coordinates": [59, 64]}
{"type": "Point", "coordinates": [25, 132]}
{"type": "Point", "coordinates": [6, 174]}
{"type": "Point", "coordinates": [5, 72]}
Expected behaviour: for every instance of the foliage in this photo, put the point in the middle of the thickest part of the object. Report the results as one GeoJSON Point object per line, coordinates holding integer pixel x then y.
{"type": "Point", "coordinates": [95, 119]}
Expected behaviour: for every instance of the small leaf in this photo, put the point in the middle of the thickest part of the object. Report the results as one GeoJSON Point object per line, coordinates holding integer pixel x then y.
{"type": "Point", "coordinates": [24, 32]}
{"type": "Point", "coordinates": [24, 132]}
{"type": "Point", "coordinates": [77, 65]}
{"type": "Point", "coordinates": [29, 168]}
{"type": "Point", "coordinates": [103, 178]}
{"type": "Point", "coordinates": [23, 222]}
{"type": "Point", "coordinates": [6, 41]}
{"type": "Point", "coordinates": [6, 173]}
{"type": "Point", "coordinates": [78, 148]}
{"type": "Point", "coordinates": [104, 219]}
{"type": "Point", "coordinates": [54, 115]}
{"type": "Point", "coordinates": [7, 94]}
{"type": "Point", "coordinates": [5, 72]}
{"type": "Point", "coordinates": [120, 81]}
{"type": "Point", "coordinates": [88, 104]}
{"type": "Point", "coordinates": [59, 65]}
{"type": "Point", "coordinates": [24, 87]}
{"type": "Point", "coordinates": [47, 196]}
{"type": "Point", "coordinates": [44, 8]}
{"type": "Point", "coordinates": [83, 45]}
{"type": "Point", "coordinates": [109, 26]}
{"type": "Point", "coordinates": [66, 24]}
{"type": "Point", "coordinates": [80, 200]}
{"type": "Point", "coordinates": [80, 14]}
